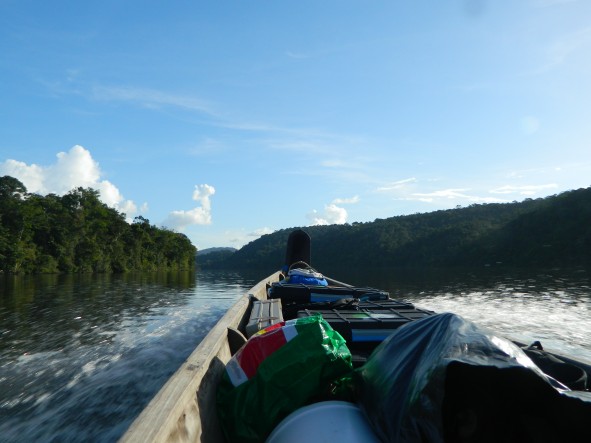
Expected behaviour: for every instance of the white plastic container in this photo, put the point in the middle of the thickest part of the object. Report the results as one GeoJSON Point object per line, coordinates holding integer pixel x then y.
{"type": "Point", "coordinates": [326, 422]}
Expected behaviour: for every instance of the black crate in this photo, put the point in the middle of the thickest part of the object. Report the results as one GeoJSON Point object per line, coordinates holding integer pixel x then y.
{"type": "Point", "coordinates": [404, 309]}
{"type": "Point", "coordinates": [368, 327]}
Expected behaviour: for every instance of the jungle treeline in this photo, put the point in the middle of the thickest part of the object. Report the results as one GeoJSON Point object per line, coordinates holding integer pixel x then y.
{"type": "Point", "coordinates": [77, 233]}
{"type": "Point", "coordinates": [551, 231]}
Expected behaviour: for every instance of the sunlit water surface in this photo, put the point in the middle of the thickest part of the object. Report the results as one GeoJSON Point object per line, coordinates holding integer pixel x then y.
{"type": "Point", "coordinates": [552, 306]}
{"type": "Point", "coordinates": [81, 356]}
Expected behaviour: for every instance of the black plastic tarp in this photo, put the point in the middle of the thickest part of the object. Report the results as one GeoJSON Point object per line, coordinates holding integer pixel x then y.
{"type": "Point", "coordinates": [443, 378]}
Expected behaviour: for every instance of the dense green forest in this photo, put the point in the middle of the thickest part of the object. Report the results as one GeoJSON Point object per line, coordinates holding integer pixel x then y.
{"type": "Point", "coordinates": [543, 232]}
{"type": "Point", "coordinates": [78, 233]}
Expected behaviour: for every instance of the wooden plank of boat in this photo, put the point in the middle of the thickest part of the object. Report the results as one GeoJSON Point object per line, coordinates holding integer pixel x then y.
{"type": "Point", "coordinates": [184, 409]}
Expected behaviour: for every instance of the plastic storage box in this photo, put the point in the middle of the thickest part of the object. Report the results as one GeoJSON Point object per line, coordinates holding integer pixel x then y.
{"type": "Point", "coordinates": [264, 313]}
{"type": "Point", "coordinates": [370, 324]}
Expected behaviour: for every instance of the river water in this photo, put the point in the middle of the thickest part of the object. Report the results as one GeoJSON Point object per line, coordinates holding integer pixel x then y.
{"type": "Point", "coordinates": [80, 356]}
{"type": "Point", "coordinates": [551, 305]}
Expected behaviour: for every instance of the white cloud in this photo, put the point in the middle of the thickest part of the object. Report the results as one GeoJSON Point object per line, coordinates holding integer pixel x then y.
{"type": "Point", "coordinates": [448, 194]}
{"type": "Point", "coordinates": [523, 190]}
{"type": "Point", "coordinates": [32, 176]}
{"type": "Point", "coordinates": [73, 169]}
{"type": "Point", "coordinates": [200, 215]}
{"type": "Point", "coordinates": [397, 185]}
{"type": "Point", "coordinates": [302, 146]}
{"type": "Point", "coordinates": [458, 195]}
{"type": "Point", "coordinates": [260, 232]}
{"type": "Point", "coordinates": [151, 98]}
{"type": "Point", "coordinates": [202, 194]}
{"type": "Point", "coordinates": [346, 201]}
{"type": "Point", "coordinates": [111, 196]}
{"type": "Point", "coordinates": [522, 173]}
{"type": "Point", "coordinates": [332, 215]}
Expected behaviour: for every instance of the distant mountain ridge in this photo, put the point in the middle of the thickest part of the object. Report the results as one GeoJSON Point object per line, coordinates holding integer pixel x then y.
{"type": "Point", "coordinates": [202, 252]}
{"type": "Point", "coordinates": [212, 257]}
{"type": "Point", "coordinates": [551, 231]}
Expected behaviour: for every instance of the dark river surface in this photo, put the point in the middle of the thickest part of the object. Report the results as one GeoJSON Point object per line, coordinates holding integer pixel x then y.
{"type": "Point", "coordinates": [80, 356]}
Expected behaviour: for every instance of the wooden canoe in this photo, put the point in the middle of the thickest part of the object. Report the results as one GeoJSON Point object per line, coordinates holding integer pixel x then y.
{"type": "Point", "coordinates": [184, 409]}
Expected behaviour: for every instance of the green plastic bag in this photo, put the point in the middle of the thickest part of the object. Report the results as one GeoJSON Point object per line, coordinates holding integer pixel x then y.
{"type": "Point", "coordinates": [276, 372]}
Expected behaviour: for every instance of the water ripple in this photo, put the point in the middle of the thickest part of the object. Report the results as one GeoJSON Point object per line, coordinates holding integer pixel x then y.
{"type": "Point", "coordinates": [79, 362]}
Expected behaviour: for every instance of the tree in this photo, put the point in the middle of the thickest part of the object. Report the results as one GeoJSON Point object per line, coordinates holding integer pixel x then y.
{"type": "Point", "coordinates": [79, 233]}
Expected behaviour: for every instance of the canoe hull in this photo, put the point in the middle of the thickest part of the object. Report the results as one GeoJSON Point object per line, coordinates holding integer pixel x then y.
{"type": "Point", "coordinates": [184, 409]}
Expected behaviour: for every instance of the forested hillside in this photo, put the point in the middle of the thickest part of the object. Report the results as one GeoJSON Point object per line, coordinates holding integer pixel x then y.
{"type": "Point", "coordinates": [78, 233]}
{"type": "Point", "coordinates": [550, 231]}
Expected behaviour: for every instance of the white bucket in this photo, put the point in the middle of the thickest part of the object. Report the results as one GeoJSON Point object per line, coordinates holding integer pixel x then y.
{"type": "Point", "coordinates": [327, 421]}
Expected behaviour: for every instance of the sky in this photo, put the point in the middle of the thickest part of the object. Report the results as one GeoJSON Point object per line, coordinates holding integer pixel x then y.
{"type": "Point", "coordinates": [226, 120]}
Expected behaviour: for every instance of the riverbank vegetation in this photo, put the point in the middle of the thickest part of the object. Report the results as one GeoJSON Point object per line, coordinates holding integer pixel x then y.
{"type": "Point", "coordinates": [77, 233]}
{"type": "Point", "coordinates": [551, 231]}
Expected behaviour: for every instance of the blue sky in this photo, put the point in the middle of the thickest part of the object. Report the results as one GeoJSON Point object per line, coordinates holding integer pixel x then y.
{"type": "Point", "coordinates": [228, 119]}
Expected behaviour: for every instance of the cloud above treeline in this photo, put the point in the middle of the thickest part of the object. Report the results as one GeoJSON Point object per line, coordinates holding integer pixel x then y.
{"type": "Point", "coordinates": [452, 194]}
{"type": "Point", "coordinates": [332, 214]}
{"type": "Point", "coordinates": [261, 231]}
{"type": "Point", "coordinates": [201, 215]}
{"type": "Point", "coordinates": [76, 168]}
{"type": "Point", "coordinates": [407, 190]}
{"type": "Point", "coordinates": [72, 169]}
{"type": "Point", "coordinates": [524, 190]}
